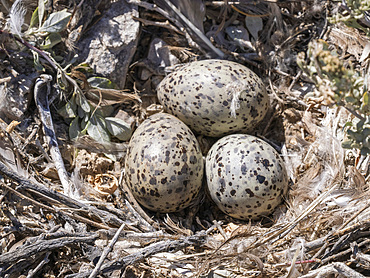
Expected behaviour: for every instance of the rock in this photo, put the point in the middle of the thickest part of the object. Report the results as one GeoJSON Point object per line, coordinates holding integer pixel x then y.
{"type": "Point", "coordinates": [110, 44]}
{"type": "Point", "coordinates": [159, 57]}
{"type": "Point", "coordinates": [15, 95]}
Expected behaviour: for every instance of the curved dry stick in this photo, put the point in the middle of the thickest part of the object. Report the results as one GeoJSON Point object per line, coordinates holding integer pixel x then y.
{"type": "Point", "coordinates": [41, 92]}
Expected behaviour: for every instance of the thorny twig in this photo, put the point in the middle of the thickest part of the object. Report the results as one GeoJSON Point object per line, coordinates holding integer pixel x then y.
{"type": "Point", "coordinates": [154, 7]}
{"type": "Point", "coordinates": [343, 253]}
{"type": "Point", "coordinates": [43, 246]}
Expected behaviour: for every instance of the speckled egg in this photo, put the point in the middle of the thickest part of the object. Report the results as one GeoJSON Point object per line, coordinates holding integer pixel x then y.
{"type": "Point", "coordinates": [246, 177]}
{"type": "Point", "coordinates": [215, 97]}
{"type": "Point", "coordinates": [164, 164]}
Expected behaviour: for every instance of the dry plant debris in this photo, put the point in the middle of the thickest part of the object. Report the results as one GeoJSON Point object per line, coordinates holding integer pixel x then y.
{"type": "Point", "coordinates": [65, 208]}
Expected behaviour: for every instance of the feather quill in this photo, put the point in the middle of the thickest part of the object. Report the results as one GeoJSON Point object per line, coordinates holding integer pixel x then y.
{"type": "Point", "coordinates": [16, 18]}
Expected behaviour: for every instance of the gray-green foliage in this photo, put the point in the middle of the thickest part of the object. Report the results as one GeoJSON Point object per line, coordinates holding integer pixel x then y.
{"type": "Point", "coordinates": [359, 136]}
{"type": "Point", "coordinates": [353, 11]}
{"type": "Point", "coordinates": [344, 86]}
{"type": "Point", "coordinates": [43, 34]}
{"type": "Point", "coordinates": [46, 32]}
{"type": "Point", "coordinates": [93, 120]}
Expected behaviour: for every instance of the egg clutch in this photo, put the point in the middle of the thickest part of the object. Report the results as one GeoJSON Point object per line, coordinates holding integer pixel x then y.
{"type": "Point", "coordinates": [245, 176]}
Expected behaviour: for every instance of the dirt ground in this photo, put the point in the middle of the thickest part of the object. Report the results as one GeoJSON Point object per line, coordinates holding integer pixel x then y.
{"type": "Point", "coordinates": [77, 78]}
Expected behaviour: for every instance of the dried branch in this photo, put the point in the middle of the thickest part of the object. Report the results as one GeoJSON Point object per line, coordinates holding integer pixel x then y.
{"type": "Point", "coordinates": [44, 261]}
{"type": "Point", "coordinates": [56, 197]}
{"type": "Point", "coordinates": [164, 246]}
{"type": "Point", "coordinates": [69, 214]}
{"type": "Point", "coordinates": [165, 24]}
{"type": "Point", "coordinates": [334, 269]}
{"type": "Point", "coordinates": [42, 246]}
{"type": "Point", "coordinates": [106, 252]}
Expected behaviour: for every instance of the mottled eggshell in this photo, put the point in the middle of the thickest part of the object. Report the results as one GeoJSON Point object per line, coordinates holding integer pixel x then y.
{"type": "Point", "coordinates": [164, 164]}
{"type": "Point", "coordinates": [215, 97]}
{"type": "Point", "coordinates": [246, 177]}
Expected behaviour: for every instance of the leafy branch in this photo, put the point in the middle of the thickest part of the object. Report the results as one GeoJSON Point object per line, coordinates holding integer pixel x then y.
{"type": "Point", "coordinates": [353, 12]}
{"type": "Point", "coordinates": [344, 87]}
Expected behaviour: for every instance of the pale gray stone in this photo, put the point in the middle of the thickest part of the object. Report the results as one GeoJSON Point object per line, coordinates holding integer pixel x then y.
{"type": "Point", "coordinates": [159, 57]}
{"type": "Point", "coordinates": [15, 95]}
{"type": "Point", "coordinates": [109, 45]}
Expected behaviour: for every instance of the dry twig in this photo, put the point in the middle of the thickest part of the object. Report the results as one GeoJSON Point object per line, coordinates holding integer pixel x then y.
{"type": "Point", "coordinates": [333, 269]}
{"type": "Point", "coordinates": [163, 246]}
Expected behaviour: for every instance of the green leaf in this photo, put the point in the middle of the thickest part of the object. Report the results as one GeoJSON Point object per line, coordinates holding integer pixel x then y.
{"type": "Point", "coordinates": [106, 110]}
{"type": "Point", "coordinates": [85, 67]}
{"type": "Point", "coordinates": [119, 128]}
{"type": "Point", "coordinates": [74, 129]}
{"type": "Point", "coordinates": [351, 134]}
{"type": "Point", "coordinates": [365, 151]}
{"type": "Point", "coordinates": [41, 11]}
{"type": "Point", "coordinates": [62, 80]}
{"type": "Point", "coordinates": [358, 82]}
{"type": "Point", "coordinates": [97, 130]}
{"type": "Point", "coordinates": [81, 113]}
{"type": "Point", "coordinates": [101, 83]}
{"type": "Point", "coordinates": [359, 138]}
{"type": "Point", "coordinates": [55, 22]}
{"type": "Point", "coordinates": [360, 125]}
{"type": "Point", "coordinates": [98, 112]}
{"type": "Point", "coordinates": [366, 98]}
{"type": "Point", "coordinates": [68, 111]}
{"type": "Point", "coordinates": [347, 144]}
{"type": "Point", "coordinates": [83, 124]}
{"type": "Point", "coordinates": [348, 124]}
{"type": "Point", "coordinates": [254, 25]}
{"type": "Point", "coordinates": [51, 40]}
{"type": "Point", "coordinates": [82, 102]}
{"type": "Point", "coordinates": [34, 18]}
{"type": "Point", "coordinates": [350, 99]}
{"type": "Point", "coordinates": [36, 61]}
{"type": "Point", "coordinates": [366, 132]}
{"type": "Point", "coordinates": [59, 58]}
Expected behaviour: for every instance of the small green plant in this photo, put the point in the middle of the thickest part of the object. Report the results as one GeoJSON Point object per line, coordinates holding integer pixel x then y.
{"type": "Point", "coordinates": [85, 116]}
{"type": "Point", "coordinates": [92, 118]}
{"type": "Point", "coordinates": [353, 11]}
{"type": "Point", "coordinates": [343, 86]}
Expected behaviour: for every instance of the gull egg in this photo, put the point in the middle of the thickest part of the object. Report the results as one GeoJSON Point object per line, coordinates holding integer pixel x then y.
{"type": "Point", "coordinates": [246, 177]}
{"type": "Point", "coordinates": [215, 97]}
{"type": "Point", "coordinates": [164, 164]}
